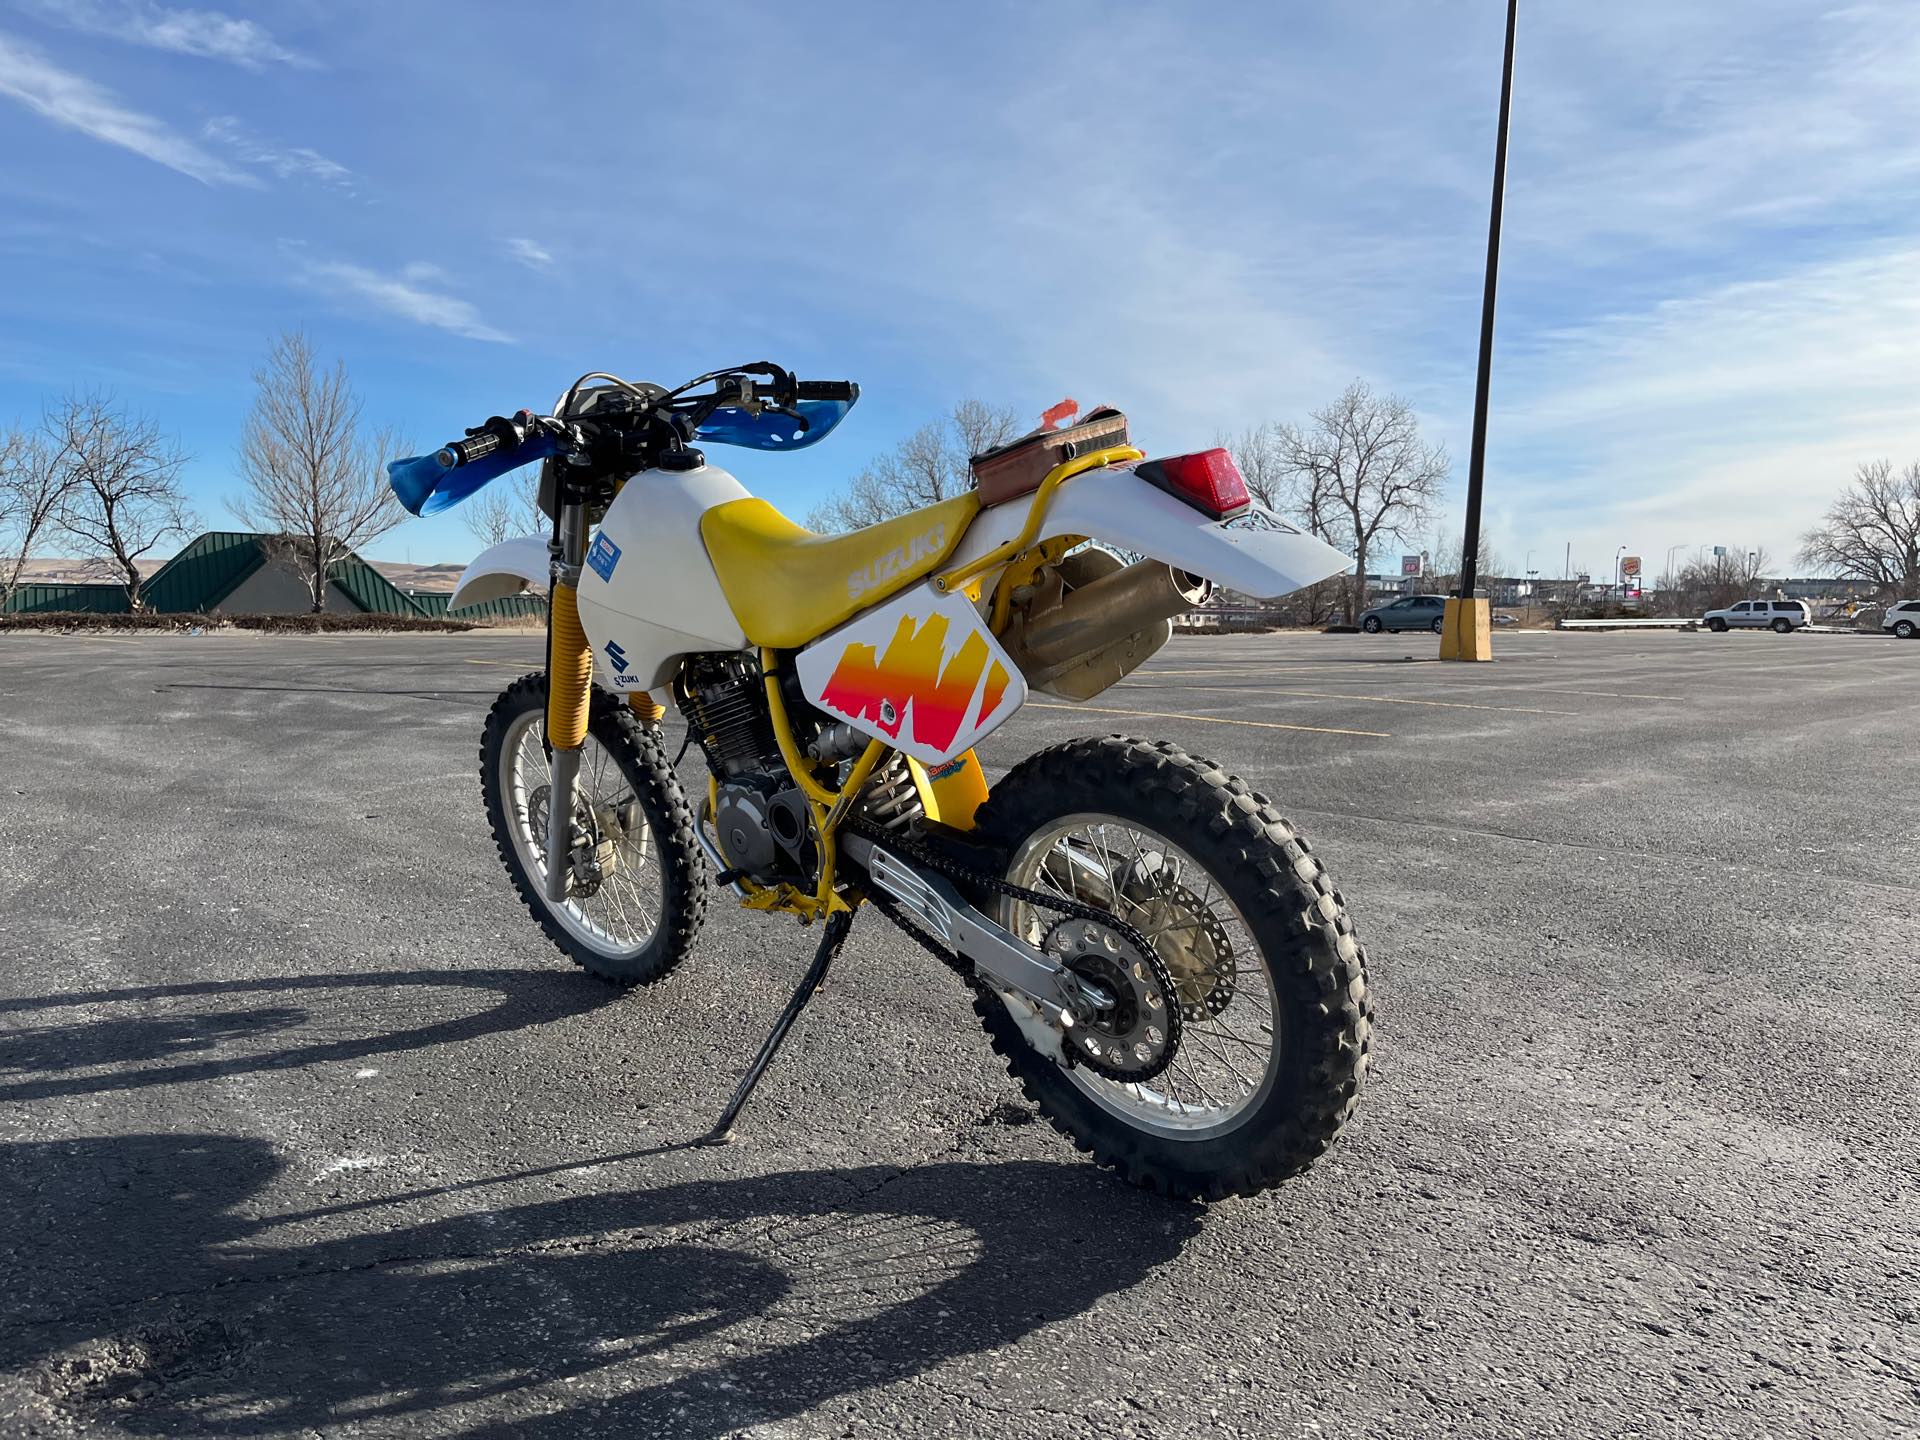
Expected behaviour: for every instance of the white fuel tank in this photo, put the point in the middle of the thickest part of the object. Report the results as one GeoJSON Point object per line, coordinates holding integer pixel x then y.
{"type": "Point", "coordinates": [648, 593]}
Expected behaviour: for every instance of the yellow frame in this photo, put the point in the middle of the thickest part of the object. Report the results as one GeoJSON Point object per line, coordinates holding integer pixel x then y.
{"type": "Point", "coordinates": [1036, 512]}
{"type": "Point", "coordinates": [829, 807]}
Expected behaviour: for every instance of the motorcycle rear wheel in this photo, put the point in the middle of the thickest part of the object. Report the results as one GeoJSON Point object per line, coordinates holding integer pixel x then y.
{"type": "Point", "coordinates": [635, 918]}
{"type": "Point", "coordinates": [1278, 1031]}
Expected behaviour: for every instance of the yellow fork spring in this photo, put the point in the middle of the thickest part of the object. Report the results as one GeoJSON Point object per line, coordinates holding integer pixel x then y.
{"type": "Point", "coordinates": [569, 673]}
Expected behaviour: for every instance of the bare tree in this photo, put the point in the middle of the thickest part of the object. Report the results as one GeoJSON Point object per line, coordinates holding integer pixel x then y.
{"type": "Point", "coordinates": [32, 490]}
{"type": "Point", "coordinates": [1873, 530]}
{"type": "Point", "coordinates": [508, 508]}
{"type": "Point", "coordinates": [1263, 457]}
{"type": "Point", "coordinates": [1362, 466]}
{"type": "Point", "coordinates": [928, 466]}
{"type": "Point", "coordinates": [1444, 559]}
{"type": "Point", "coordinates": [1712, 582]}
{"type": "Point", "coordinates": [120, 482]}
{"type": "Point", "coordinates": [316, 477]}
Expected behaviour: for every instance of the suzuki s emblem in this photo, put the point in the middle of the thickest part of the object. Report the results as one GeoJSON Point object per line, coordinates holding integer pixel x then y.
{"type": "Point", "coordinates": [618, 657]}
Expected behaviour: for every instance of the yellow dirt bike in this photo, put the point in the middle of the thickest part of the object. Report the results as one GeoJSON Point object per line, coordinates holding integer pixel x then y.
{"type": "Point", "coordinates": [1159, 957]}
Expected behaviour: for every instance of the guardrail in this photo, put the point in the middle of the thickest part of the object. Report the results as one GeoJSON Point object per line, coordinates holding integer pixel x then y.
{"type": "Point", "coordinates": [1624, 624]}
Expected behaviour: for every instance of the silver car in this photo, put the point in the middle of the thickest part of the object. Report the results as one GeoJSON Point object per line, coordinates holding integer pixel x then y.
{"type": "Point", "coordinates": [1409, 612]}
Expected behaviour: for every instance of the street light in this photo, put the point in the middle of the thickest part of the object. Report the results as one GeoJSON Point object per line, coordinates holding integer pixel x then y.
{"type": "Point", "coordinates": [1616, 566]}
{"type": "Point", "coordinates": [1477, 454]}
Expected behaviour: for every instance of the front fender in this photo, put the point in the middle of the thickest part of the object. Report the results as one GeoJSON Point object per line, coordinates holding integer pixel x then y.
{"type": "Point", "coordinates": [1256, 553]}
{"type": "Point", "coordinates": [502, 570]}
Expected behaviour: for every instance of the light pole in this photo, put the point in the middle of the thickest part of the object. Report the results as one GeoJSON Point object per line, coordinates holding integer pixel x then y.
{"type": "Point", "coordinates": [1477, 458]}
{"type": "Point", "coordinates": [1616, 566]}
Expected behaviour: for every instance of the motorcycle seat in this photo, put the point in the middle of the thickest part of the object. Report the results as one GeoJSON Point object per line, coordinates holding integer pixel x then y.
{"type": "Point", "coordinates": [788, 585]}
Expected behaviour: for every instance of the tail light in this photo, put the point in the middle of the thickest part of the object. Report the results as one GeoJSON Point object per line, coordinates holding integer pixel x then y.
{"type": "Point", "coordinates": [1208, 480]}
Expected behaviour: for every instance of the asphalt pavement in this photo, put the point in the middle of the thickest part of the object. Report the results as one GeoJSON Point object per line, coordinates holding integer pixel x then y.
{"type": "Point", "coordinates": [307, 1131]}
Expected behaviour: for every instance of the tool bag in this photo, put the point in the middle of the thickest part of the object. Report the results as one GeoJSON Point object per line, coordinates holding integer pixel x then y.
{"type": "Point", "coordinates": [1016, 468]}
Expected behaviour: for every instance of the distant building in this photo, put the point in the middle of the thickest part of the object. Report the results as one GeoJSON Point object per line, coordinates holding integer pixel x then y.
{"type": "Point", "coordinates": [228, 572]}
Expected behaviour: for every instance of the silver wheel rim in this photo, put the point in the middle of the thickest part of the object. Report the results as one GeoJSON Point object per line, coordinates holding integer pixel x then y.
{"type": "Point", "coordinates": [622, 916]}
{"type": "Point", "coordinates": [1226, 1063]}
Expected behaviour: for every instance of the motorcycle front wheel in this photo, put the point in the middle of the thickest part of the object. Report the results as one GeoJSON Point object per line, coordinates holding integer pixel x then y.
{"type": "Point", "coordinates": [1276, 1023]}
{"type": "Point", "coordinates": [636, 891]}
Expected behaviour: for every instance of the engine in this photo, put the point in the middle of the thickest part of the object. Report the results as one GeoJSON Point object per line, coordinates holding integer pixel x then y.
{"type": "Point", "coordinates": [761, 820]}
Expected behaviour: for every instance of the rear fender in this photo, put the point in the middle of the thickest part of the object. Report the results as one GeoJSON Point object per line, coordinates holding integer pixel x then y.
{"type": "Point", "coordinates": [502, 570]}
{"type": "Point", "coordinates": [1256, 552]}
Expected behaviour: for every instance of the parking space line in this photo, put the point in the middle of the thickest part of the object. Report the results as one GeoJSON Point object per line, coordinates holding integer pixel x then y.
{"type": "Point", "coordinates": [1380, 699]}
{"type": "Point", "coordinates": [1212, 720]}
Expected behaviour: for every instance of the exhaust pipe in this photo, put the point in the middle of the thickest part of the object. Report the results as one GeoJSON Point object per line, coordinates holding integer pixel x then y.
{"type": "Point", "coordinates": [1104, 629]}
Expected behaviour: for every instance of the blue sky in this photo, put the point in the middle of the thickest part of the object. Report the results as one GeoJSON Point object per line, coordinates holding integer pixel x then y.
{"type": "Point", "coordinates": [1210, 216]}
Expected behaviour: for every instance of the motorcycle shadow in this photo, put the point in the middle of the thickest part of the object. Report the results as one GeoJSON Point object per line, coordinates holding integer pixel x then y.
{"type": "Point", "coordinates": [149, 1298]}
{"type": "Point", "coordinates": [43, 1054]}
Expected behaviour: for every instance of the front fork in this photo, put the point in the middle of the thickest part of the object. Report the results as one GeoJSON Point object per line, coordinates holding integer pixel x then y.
{"type": "Point", "coordinates": [569, 693]}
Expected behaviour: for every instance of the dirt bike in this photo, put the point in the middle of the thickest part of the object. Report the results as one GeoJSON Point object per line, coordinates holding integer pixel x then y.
{"type": "Point", "coordinates": [1155, 952]}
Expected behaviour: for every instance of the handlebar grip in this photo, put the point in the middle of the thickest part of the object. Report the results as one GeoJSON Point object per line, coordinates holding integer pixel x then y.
{"type": "Point", "coordinates": [465, 452]}
{"type": "Point", "coordinates": [845, 390]}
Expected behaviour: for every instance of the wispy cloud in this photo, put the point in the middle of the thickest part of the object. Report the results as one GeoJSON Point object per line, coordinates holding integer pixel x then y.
{"type": "Point", "coordinates": [295, 163]}
{"type": "Point", "coordinates": [204, 33]}
{"type": "Point", "coordinates": [1727, 415]}
{"type": "Point", "coordinates": [411, 295]}
{"type": "Point", "coordinates": [78, 104]}
{"type": "Point", "coordinates": [529, 253]}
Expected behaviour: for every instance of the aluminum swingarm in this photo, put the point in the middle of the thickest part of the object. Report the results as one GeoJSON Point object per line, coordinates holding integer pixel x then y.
{"type": "Point", "coordinates": [998, 956]}
{"type": "Point", "coordinates": [1047, 999]}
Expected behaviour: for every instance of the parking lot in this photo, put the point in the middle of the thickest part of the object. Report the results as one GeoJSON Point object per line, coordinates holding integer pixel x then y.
{"type": "Point", "coordinates": [308, 1131]}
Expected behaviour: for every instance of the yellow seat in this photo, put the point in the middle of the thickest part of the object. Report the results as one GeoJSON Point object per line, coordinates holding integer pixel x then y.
{"type": "Point", "coordinates": [788, 585]}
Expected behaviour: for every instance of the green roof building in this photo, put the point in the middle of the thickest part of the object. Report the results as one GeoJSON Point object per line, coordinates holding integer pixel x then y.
{"type": "Point", "coordinates": [230, 572]}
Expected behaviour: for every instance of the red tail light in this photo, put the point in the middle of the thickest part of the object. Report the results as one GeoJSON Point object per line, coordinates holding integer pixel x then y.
{"type": "Point", "coordinates": [1208, 480]}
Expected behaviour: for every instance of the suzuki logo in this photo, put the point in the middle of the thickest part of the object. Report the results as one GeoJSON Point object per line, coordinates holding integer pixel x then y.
{"type": "Point", "coordinates": [879, 571]}
{"type": "Point", "coordinates": [618, 657]}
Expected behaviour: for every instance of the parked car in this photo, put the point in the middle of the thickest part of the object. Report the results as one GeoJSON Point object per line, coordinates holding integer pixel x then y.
{"type": "Point", "coordinates": [1903, 619]}
{"type": "Point", "coordinates": [1780, 615]}
{"type": "Point", "coordinates": [1409, 612]}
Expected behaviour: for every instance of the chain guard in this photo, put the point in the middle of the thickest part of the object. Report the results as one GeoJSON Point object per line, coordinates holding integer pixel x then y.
{"type": "Point", "coordinates": [1160, 977]}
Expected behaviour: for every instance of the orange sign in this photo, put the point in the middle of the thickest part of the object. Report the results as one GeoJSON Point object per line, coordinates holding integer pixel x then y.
{"type": "Point", "coordinates": [1630, 565]}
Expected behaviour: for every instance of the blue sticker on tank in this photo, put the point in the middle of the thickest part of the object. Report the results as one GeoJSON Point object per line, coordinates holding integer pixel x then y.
{"type": "Point", "coordinates": [603, 556]}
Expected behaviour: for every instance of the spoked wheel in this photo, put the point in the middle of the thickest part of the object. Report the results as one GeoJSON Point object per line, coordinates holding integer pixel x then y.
{"type": "Point", "coordinates": [1275, 1025]}
{"type": "Point", "coordinates": [1371, 624]}
{"type": "Point", "coordinates": [634, 896]}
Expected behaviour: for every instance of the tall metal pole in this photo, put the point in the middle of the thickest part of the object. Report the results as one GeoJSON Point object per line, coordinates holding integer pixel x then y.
{"type": "Point", "coordinates": [1477, 462]}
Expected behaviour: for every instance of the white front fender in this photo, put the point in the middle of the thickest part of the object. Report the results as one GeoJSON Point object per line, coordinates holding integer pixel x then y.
{"type": "Point", "coordinates": [502, 570]}
{"type": "Point", "coordinates": [1256, 553]}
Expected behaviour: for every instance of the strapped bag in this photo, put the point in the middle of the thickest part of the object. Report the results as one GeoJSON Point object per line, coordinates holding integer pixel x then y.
{"type": "Point", "coordinates": [1016, 468]}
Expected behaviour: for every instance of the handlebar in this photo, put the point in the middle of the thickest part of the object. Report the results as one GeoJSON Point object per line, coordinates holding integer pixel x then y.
{"type": "Point", "coordinates": [465, 452]}
{"type": "Point", "coordinates": [508, 434]}
{"type": "Point", "coordinates": [845, 390]}
{"type": "Point", "coordinates": [499, 433]}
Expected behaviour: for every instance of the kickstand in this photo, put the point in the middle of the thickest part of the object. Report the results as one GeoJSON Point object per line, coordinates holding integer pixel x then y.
{"type": "Point", "coordinates": [831, 940]}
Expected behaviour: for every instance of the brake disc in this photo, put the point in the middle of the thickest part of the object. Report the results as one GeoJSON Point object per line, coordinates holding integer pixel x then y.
{"type": "Point", "coordinates": [1189, 937]}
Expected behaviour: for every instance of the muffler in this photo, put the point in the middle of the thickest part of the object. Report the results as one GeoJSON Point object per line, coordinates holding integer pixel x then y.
{"type": "Point", "coordinates": [1109, 619]}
